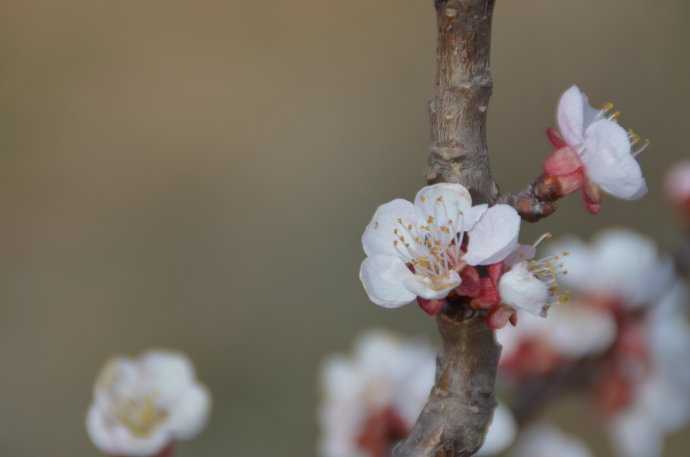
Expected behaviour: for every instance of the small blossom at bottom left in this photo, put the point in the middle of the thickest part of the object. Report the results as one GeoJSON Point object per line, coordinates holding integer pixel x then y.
{"type": "Point", "coordinates": [143, 405]}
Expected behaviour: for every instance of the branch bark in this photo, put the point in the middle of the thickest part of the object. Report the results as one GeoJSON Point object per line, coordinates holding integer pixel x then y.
{"type": "Point", "coordinates": [460, 406]}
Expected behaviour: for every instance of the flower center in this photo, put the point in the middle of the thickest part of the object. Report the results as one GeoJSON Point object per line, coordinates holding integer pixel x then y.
{"type": "Point", "coordinates": [432, 249]}
{"type": "Point", "coordinates": [140, 415]}
{"type": "Point", "coordinates": [547, 270]}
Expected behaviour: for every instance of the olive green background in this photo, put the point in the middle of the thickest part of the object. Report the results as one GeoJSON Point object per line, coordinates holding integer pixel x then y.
{"type": "Point", "coordinates": [197, 174]}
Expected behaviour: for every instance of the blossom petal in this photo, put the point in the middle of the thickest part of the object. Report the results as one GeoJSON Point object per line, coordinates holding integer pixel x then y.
{"type": "Point", "coordinates": [494, 237]}
{"type": "Point", "coordinates": [190, 413]}
{"type": "Point", "coordinates": [570, 116]}
{"type": "Point", "coordinates": [609, 162]}
{"type": "Point", "coordinates": [501, 433]}
{"type": "Point", "coordinates": [443, 204]}
{"type": "Point", "coordinates": [546, 440]}
{"type": "Point", "coordinates": [379, 235]}
{"type": "Point", "coordinates": [423, 286]}
{"type": "Point", "coordinates": [578, 330]}
{"type": "Point", "coordinates": [473, 215]}
{"type": "Point", "coordinates": [521, 289]}
{"type": "Point", "coordinates": [383, 278]}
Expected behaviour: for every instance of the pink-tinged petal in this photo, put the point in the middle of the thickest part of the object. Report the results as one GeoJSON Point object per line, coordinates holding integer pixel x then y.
{"type": "Point", "coordinates": [494, 237]}
{"type": "Point", "coordinates": [499, 317]}
{"type": "Point", "coordinates": [383, 278]}
{"type": "Point", "coordinates": [570, 116]}
{"type": "Point", "coordinates": [555, 138]}
{"type": "Point", "coordinates": [443, 202]}
{"type": "Point", "coordinates": [609, 162]}
{"type": "Point", "coordinates": [571, 182]}
{"type": "Point", "coordinates": [471, 283]}
{"type": "Point", "coordinates": [591, 195]}
{"type": "Point", "coordinates": [379, 236]}
{"type": "Point", "coordinates": [563, 161]}
{"type": "Point", "coordinates": [677, 183]}
{"type": "Point", "coordinates": [431, 307]}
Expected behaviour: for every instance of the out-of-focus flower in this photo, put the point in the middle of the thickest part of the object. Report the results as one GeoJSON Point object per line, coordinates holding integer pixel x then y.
{"type": "Point", "coordinates": [677, 186]}
{"type": "Point", "coordinates": [593, 152]}
{"type": "Point", "coordinates": [619, 268]}
{"type": "Point", "coordinates": [373, 398]}
{"type": "Point", "coordinates": [652, 371]}
{"type": "Point", "coordinates": [142, 406]}
{"type": "Point", "coordinates": [501, 433]}
{"type": "Point", "coordinates": [543, 440]}
{"type": "Point", "coordinates": [419, 250]}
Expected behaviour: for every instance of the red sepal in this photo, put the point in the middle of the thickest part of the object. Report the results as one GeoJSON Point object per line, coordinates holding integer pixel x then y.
{"type": "Point", "coordinates": [555, 138]}
{"type": "Point", "coordinates": [431, 307]}
{"type": "Point", "coordinates": [471, 283]}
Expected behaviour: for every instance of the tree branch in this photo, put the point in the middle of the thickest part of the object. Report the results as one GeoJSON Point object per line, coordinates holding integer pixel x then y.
{"type": "Point", "coordinates": [460, 407]}
{"type": "Point", "coordinates": [537, 201]}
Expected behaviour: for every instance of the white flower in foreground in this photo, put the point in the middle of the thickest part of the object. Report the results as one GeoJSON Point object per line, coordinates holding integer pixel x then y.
{"type": "Point", "coordinates": [416, 250]}
{"type": "Point", "coordinates": [619, 267]}
{"type": "Point", "coordinates": [593, 152]}
{"type": "Point", "coordinates": [660, 401]}
{"type": "Point", "coordinates": [544, 440]}
{"type": "Point", "coordinates": [142, 406]}
{"type": "Point", "coordinates": [373, 398]}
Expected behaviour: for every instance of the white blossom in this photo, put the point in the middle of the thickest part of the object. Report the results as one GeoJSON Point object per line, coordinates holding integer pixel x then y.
{"type": "Point", "coordinates": [618, 264]}
{"type": "Point", "coordinates": [142, 405]}
{"type": "Point", "coordinates": [501, 432]}
{"type": "Point", "coordinates": [416, 250]}
{"type": "Point", "coordinates": [603, 148]}
{"type": "Point", "coordinates": [544, 440]}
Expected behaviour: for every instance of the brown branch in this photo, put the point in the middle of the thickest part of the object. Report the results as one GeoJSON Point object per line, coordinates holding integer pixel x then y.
{"type": "Point", "coordinates": [460, 407]}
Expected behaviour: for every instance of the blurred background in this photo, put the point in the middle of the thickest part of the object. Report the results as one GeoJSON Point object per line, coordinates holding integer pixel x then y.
{"type": "Point", "coordinates": [197, 175]}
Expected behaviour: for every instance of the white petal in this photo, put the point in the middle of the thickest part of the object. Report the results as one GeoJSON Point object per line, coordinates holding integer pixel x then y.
{"type": "Point", "coordinates": [521, 253]}
{"type": "Point", "coordinates": [570, 116]}
{"type": "Point", "coordinates": [190, 413]}
{"type": "Point", "coordinates": [384, 278]}
{"type": "Point", "coordinates": [578, 330]}
{"type": "Point", "coordinates": [628, 266]}
{"type": "Point", "coordinates": [544, 440]}
{"type": "Point", "coordinates": [635, 435]}
{"type": "Point", "coordinates": [443, 202]}
{"type": "Point", "coordinates": [424, 287]}
{"type": "Point", "coordinates": [521, 289]}
{"type": "Point", "coordinates": [494, 237]}
{"type": "Point", "coordinates": [501, 433]}
{"type": "Point", "coordinates": [378, 236]}
{"type": "Point", "coordinates": [167, 373]}
{"type": "Point", "coordinates": [580, 263]}
{"type": "Point", "coordinates": [609, 163]}
{"type": "Point", "coordinates": [473, 215]}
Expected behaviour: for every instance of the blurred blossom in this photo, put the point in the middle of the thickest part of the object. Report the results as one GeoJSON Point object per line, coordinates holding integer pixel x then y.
{"type": "Point", "coordinates": [501, 433]}
{"type": "Point", "coordinates": [677, 185]}
{"type": "Point", "coordinates": [143, 405]}
{"type": "Point", "coordinates": [542, 440]}
{"type": "Point", "coordinates": [628, 319]}
{"type": "Point", "coordinates": [618, 269]}
{"type": "Point", "coordinates": [593, 152]}
{"type": "Point", "coordinates": [657, 381]}
{"type": "Point", "coordinates": [373, 398]}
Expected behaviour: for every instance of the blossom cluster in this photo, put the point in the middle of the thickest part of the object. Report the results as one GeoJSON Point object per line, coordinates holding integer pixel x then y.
{"type": "Point", "coordinates": [443, 249]}
{"type": "Point", "coordinates": [628, 321]}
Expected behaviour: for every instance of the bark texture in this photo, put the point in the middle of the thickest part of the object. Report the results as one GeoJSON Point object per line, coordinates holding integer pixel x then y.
{"type": "Point", "coordinates": [461, 404]}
